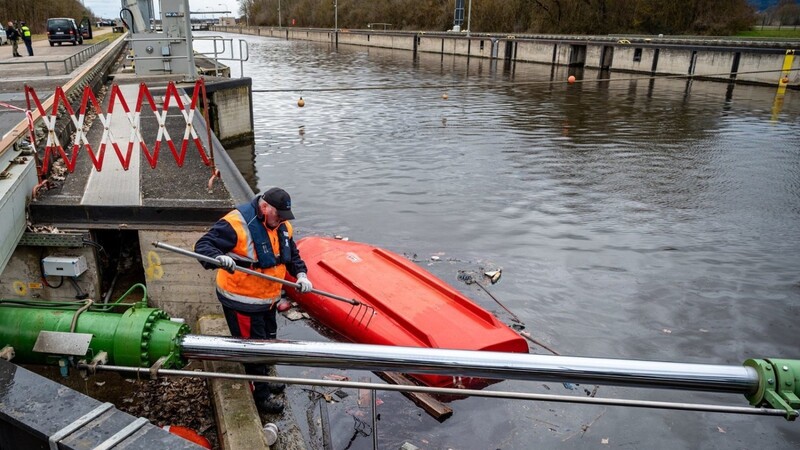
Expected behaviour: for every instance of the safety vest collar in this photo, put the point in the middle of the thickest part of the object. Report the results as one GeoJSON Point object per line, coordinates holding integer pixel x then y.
{"type": "Point", "coordinates": [260, 241]}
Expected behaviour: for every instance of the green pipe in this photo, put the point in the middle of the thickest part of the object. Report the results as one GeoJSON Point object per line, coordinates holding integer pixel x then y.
{"type": "Point", "coordinates": [137, 338]}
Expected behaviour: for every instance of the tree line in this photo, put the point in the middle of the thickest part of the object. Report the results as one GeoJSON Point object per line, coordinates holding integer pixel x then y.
{"type": "Point", "coordinates": [36, 12]}
{"type": "Point", "coordinates": [705, 17]}
{"type": "Point", "coordinates": [785, 12]}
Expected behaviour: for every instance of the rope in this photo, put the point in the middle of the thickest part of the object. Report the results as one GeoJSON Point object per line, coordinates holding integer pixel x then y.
{"type": "Point", "coordinates": [513, 83]}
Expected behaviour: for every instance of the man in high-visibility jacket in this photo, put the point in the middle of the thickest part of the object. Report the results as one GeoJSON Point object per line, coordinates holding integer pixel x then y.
{"type": "Point", "coordinates": [257, 236]}
{"type": "Point", "coordinates": [26, 37]}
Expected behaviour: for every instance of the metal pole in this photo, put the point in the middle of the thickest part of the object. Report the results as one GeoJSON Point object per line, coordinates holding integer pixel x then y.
{"type": "Point", "coordinates": [469, 15]}
{"type": "Point", "coordinates": [374, 398]}
{"type": "Point", "coordinates": [210, 260]}
{"type": "Point", "coordinates": [144, 372]}
{"type": "Point", "coordinates": [189, 48]}
{"type": "Point", "coordinates": [279, 14]}
{"type": "Point", "coordinates": [483, 364]}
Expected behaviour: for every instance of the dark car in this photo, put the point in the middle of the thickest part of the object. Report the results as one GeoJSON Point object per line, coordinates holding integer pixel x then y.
{"type": "Point", "coordinates": [61, 29]}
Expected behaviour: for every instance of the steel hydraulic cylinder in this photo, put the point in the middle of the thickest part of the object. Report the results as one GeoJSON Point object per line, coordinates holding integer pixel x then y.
{"type": "Point", "coordinates": [483, 364]}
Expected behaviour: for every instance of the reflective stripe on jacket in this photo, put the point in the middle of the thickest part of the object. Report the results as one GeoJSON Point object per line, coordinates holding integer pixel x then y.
{"type": "Point", "coordinates": [26, 32]}
{"type": "Point", "coordinates": [245, 288]}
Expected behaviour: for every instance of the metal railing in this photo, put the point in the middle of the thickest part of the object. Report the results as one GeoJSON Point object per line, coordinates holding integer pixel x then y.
{"type": "Point", "coordinates": [70, 63]}
{"type": "Point", "coordinates": [218, 53]}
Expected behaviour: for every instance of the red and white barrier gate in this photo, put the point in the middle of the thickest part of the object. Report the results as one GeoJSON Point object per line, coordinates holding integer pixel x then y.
{"type": "Point", "coordinates": [54, 148]}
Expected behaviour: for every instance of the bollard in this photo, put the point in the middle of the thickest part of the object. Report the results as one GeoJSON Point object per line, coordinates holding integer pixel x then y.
{"type": "Point", "coordinates": [271, 432]}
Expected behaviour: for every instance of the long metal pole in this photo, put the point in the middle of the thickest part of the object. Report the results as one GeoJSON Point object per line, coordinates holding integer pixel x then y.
{"type": "Point", "coordinates": [523, 366]}
{"type": "Point", "coordinates": [145, 372]}
{"type": "Point", "coordinates": [210, 260]}
{"type": "Point", "coordinates": [469, 16]}
{"type": "Point", "coordinates": [279, 14]}
{"type": "Point", "coordinates": [189, 47]}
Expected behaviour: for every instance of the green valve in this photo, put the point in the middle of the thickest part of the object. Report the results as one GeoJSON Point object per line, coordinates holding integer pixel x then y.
{"type": "Point", "coordinates": [779, 385]}
{"type": "Point", "coordinates": [136, 338]}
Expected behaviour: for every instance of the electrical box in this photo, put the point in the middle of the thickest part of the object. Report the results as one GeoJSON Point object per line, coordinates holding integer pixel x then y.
{"type": "Point", "coordinates": [64, 266]}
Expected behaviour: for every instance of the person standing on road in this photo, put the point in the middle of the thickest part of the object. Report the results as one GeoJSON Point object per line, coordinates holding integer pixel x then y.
{"type": "Point", "coordinates": [13, 35]}
{"type": "Point", "coordinates": [257, 236]}
{"type": "Point", "coordinates": [26, 37]}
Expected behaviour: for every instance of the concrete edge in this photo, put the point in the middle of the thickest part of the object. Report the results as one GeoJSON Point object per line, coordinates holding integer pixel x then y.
{"type": "Point", "coordinates": [238, 421]}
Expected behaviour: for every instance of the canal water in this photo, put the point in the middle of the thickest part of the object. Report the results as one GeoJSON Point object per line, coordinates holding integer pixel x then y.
{"type": "Point", "coordinates": [631, 218]}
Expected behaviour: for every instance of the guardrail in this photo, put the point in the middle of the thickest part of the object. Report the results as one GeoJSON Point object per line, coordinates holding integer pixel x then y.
{"type": "Point", "coordinates": [70, 63]}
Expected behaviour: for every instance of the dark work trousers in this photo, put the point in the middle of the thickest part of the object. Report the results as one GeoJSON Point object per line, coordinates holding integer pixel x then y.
{"type": "Point", "coordinates": [259, 325]}
{"type": "Point", "coordinates": [29, 45]}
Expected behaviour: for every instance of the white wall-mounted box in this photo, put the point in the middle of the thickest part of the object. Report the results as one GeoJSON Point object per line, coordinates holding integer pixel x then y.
{"type": "Point", "coordinates": [64, 266]}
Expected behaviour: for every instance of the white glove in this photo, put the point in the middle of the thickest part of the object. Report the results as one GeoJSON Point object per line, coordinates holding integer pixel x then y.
{"type": "Point", "coordinates": [226, 262]}
{"type": "Point", "coordinates": [304, 282]}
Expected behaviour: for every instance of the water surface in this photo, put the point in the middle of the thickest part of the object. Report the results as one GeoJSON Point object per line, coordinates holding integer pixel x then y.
{"type": "Point", "coordinates": [632, 218]}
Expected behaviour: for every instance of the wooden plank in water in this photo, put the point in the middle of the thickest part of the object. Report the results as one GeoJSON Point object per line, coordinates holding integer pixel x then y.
{"type": "Point", "coordinates": [433, 407]}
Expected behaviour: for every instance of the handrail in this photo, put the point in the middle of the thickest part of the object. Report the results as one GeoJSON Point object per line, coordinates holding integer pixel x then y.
{"type": "Point", "coordinates": [21, 128]}
{"type": "Point", "coordinates": [70, 63]}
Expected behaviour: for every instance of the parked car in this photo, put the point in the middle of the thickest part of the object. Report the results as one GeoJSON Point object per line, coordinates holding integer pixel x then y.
{"type": "Point", "coordinates": [63, 29]}
{"type": "Point", "coordinates": [3, 37]}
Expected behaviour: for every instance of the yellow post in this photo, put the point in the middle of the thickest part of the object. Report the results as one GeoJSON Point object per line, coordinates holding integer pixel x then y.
{"type": "Point", "coordinates": [783, 81]}
{"type": "Point", "coordinates": [787, 68]}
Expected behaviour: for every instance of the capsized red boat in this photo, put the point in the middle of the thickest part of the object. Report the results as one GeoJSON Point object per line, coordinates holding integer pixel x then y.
{"type": "Point", "coordinates": [412, 307]}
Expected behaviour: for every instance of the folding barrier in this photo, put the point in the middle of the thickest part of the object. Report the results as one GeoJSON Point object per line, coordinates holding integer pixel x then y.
{"type": "Point", "coordinates": [54, 148]}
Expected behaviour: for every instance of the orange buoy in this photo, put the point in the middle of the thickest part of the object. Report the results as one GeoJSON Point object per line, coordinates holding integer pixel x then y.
{"type": "Point", "coordinates": [444, 96]}
{"type": "Point", "coordinates": [571, 79]}
{"type": "Point", "coordinates": [301, 102]}
{"type": "Point", "coordinates": [188, 434]}
{"type": "Point", "coordinates": [785, 79]}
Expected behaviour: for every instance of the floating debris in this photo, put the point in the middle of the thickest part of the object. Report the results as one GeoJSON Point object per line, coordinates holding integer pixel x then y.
{"type": "Point", "coordinates": [494, 275]}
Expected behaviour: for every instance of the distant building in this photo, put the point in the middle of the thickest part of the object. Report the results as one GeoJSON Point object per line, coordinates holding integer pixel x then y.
{"type": "Point", "coordinates": [227, 21]}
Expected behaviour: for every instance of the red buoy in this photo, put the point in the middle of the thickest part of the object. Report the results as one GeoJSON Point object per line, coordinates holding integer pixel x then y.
{"type": "Point", "coordinates": [188, 434]}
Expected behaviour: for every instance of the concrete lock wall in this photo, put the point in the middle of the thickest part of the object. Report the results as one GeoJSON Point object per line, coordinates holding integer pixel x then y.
{"type": "Point", "coordinates": [538, 52]}
{"type": "Point", "coordinates": [635, 59]}
{"type": "Point", "coordinates": [430, 44]}
{"type": "Point", "coordinates": [22, 277]}
{"type": "Point", "coordinates": [698, 57]}
{"type": "Point", "coordinates": [756, 62]}
{"type": "Point", "coordinates": [233, 111]}
{"type": "Point", "coordinates": [594, 55]}
{"type": "Point", "coordinates": [461, 47]}
{"type": "Point", "coordinates": [673, 61]}
{"type": "Point", "coordinates": [714, 64]}
{"type": "Point", "coordinates": [562, 54]}
{"type": "Point", "coordinates": [177, 284]}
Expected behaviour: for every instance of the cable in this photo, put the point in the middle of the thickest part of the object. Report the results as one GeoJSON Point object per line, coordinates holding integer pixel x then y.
{"type": "Point", "coordinates": [41, 272]}
{"type": "Point", "coordinates": [123, 20]}
{"type": "Point", "coordinates": [95, 245]}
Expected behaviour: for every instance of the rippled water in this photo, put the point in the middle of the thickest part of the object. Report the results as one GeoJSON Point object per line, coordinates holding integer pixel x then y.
{"type": "Point", "coordinates": [632, 218]}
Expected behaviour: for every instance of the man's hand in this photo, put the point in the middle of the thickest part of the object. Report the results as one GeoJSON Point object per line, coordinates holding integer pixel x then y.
{"type": "Point", "coordinates": [304, 282]}
{"type": "Point", "coordinates": [226, 262]}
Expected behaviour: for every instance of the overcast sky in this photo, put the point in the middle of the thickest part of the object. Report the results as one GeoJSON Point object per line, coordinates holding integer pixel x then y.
{"type": "Point", "coordinates": [109, 9]}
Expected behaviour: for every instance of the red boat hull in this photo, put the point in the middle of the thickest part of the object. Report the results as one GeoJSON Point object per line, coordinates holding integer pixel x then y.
{"type": "Point", "coordinates": [412, 307]}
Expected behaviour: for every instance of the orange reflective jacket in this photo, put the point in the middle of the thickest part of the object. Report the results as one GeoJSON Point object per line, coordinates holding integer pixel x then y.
{"type": "Point", "coordinates": [244, 288]}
